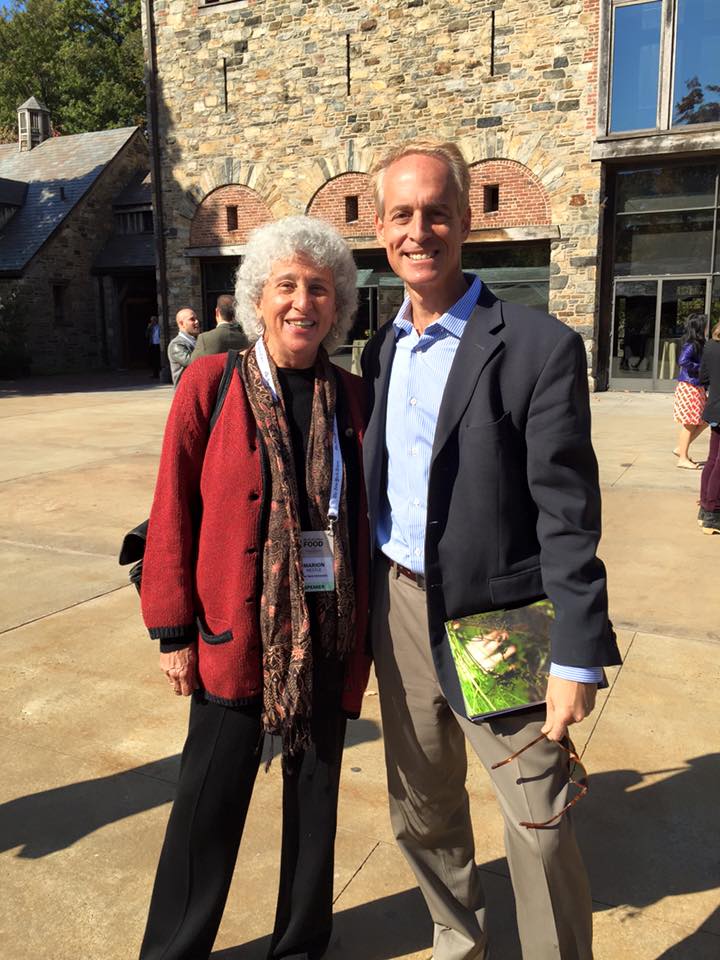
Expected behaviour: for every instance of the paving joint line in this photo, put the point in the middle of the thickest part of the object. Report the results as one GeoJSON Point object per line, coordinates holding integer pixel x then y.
{"type": "Point", "coordinates": [341, 892]}
{"type": "Point", "coordinates": [51, 549]}
{"type": "Point", "coordinates": [607, 698]}
{"type": "Point", "coordinates": [70, 606]}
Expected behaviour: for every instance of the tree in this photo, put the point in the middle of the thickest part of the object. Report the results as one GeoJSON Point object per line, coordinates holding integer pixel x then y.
{"type": "Point", "coordinates": [692, 108]}
{"type": "Point", "coordinates": [82, 58]}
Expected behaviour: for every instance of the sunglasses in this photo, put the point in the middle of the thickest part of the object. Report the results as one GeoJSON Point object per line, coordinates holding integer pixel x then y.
{"type": "Point", "coordinates": [577, 777]}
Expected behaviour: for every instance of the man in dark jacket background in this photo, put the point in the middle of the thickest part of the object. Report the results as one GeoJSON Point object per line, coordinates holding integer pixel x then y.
{"type": "Point", "coordinates": [227, 335]}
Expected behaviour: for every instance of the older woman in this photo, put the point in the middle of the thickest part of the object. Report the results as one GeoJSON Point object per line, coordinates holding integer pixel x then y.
{"type": "Point", "coordinates": [255, 584]}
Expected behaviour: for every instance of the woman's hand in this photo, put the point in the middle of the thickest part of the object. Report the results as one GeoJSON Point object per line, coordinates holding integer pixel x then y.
{"type": "Point", "coordinates": [180, 668]}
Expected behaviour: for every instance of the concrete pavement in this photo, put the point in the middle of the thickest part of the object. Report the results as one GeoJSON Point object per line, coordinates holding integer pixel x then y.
{"type": "Point", "coordinates": [91, 736]}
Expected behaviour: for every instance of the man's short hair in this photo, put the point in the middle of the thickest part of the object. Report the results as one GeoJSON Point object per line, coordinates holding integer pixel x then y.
{"type": "Point", "coordinates": [446, 151]}
{"type": "Point", "coordinates": [225, 306]}
{"type": "Point", "coordinates": [182, 310]}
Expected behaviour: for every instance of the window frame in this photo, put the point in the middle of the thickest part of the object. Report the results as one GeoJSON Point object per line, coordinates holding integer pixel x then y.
{"type": "Point", "coordinates": [666, 76]}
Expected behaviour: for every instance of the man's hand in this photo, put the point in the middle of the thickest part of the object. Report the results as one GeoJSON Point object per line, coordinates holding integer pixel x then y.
{"type": "Point", "coordinates": [179, 667]}
{"type": "Point", "coordinates": [567, 702]}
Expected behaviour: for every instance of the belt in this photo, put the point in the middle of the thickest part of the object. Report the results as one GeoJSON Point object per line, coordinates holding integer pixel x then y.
{"type": "Point", "coordinates": [400, 571]}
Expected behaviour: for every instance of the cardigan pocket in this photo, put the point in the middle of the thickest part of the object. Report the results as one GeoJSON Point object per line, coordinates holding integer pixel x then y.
{"type": "Point", "coordinates": [208, 637]}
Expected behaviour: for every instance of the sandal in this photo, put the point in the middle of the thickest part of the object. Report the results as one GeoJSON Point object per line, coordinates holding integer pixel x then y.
{"type": "Point", "coordinates": [690, 465]}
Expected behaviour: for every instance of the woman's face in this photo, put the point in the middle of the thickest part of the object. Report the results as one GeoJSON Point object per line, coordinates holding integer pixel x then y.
{"type": "Point", "coordinates": [297, 306]}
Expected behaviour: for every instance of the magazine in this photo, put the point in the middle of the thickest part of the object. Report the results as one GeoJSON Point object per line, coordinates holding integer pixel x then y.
{"type": "Point", "coordinates": [502, 658]}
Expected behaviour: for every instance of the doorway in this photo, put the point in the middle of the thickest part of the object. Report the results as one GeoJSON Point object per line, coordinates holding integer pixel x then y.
{"type": "Point", "coordinates": [648, 324]}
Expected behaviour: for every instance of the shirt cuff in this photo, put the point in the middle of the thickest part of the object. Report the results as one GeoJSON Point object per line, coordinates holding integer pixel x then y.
{"type": "Point", "coordinates": [578, 674]}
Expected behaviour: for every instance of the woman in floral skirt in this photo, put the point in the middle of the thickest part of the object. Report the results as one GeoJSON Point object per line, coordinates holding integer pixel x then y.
{"type": "Point", "coordinates": [690, 397]}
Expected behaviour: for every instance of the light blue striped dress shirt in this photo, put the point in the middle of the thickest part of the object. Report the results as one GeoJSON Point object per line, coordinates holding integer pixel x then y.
{"type": "Point", "coordinates": [420, 370]}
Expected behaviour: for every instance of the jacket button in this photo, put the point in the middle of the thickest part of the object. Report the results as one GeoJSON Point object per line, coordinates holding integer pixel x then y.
{"type": "Point", "coordinates": [349, 432]}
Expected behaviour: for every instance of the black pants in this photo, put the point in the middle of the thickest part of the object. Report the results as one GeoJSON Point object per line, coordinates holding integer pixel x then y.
{"type": "Point", "coordinates": [219, 764]}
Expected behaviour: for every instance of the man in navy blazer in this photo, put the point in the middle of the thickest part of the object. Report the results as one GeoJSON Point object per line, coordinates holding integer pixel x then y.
{"type": "Point", "coordinates": [483, 494]}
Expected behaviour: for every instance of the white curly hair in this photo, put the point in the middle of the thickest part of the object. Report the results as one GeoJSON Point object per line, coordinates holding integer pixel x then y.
{"type": "Point", "coordinates": [281, 240]}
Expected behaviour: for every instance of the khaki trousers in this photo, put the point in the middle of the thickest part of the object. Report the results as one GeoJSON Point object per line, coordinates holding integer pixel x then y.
{"type": "Point", "coordinates": [429, 805]}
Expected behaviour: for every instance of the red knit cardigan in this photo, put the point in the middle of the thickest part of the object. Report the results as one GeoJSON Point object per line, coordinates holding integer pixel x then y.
{"type": "Point", "coordinates": [203, 561]}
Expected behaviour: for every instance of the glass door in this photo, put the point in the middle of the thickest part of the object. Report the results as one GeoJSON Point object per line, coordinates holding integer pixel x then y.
{"type": "Point", "coordinates": [679, 300]}
{"type": "Point", "coordinates": [633, 339]}
{"type": "Point", "coordinates": [648, 323]}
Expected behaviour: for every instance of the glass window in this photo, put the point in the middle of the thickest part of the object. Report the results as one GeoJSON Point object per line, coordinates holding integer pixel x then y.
{"type": "Point", "coordinates": [635, 66]}
{"type": "Point", "coordinates": [666, 188]}
{"type": "Point", "coordinates": [715, 303]}
{"type": "Point", "coordinates": [519, 272]}
{"type": "Point", "coordinates": [657, 243]}
{"type": "Point", "coordinates": [696, 90]}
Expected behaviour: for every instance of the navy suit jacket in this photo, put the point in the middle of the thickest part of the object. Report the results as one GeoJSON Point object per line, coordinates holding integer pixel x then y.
{"type": "Point", "coordinates": [513, 506]}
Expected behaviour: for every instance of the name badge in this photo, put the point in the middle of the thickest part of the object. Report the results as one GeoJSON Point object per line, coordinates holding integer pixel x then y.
{"type": "Point", "coordinates": [317, 560]}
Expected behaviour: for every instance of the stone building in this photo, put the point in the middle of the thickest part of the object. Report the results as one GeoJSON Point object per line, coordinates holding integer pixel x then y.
{"type": "Point", "coordinates": [263, 109]}
{"type": "Point", "coordinates": [77, 263]}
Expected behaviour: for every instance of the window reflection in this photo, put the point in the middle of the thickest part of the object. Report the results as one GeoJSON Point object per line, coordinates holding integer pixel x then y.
{"type": "Point", "coordinates": [696, 92]}
{"type": "Point", "coordinates": [666, 188]}
{"type": "Point", "coordinates": [672, 242]}
{"type": "Point", "coordinates": [636, 65]}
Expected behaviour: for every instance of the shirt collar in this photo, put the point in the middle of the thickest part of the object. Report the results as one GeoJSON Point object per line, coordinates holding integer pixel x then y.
{"type": "Point", "coordinates": [454, 318]}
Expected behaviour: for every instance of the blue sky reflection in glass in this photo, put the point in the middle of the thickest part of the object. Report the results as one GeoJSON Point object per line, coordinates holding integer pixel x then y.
{"type": "Point", "coordinates": [636, 67]}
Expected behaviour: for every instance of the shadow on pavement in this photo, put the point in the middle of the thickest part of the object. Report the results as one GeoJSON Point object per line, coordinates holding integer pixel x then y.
{"type": "Point", "coordinates": [391, 926]}
{"type": "Point", "coordinates": [42, 823]}
{"type": "Point", "coordinates": [100, 381]}
{"type": "Point", "coordinates": [644, 842]}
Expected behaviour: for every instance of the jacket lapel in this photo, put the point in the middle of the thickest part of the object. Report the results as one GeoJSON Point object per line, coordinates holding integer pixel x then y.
{"type": "Point", "coordinates": [480, 341]}
{"type": "Point", "coordinates": [378, 371]}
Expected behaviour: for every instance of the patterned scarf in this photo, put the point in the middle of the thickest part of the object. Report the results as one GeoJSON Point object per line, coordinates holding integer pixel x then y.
{"type": "Point", "coordinates": [285, 626]}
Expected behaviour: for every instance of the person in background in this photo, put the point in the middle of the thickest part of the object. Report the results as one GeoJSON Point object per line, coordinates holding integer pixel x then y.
{"type": "Point", "coordinates": [227, 335]}
{"type": "Point", "coordinates": [255, 584]}
{"type": "Point", "coordinates": [689, 399]}
{"type": "Point", "coordinates": [709, 515]}
{"type": "Point", "coordinates": [153, 338]}
{"type": "Point", "coordinates": [180, 348]}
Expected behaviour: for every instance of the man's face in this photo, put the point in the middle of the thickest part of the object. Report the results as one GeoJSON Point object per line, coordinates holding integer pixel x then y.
{"type": "Point", "coordinates": [188, 323]}
{"type": "Point", "coordinates": [422, 228]}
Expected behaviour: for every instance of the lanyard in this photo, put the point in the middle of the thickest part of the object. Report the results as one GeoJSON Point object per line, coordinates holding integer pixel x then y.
{"type": "Point", "coordinates": [336, 482]}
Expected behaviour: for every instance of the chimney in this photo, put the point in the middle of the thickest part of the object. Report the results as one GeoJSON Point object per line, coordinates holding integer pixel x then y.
{"type": "Point", "coordinates": [33, 124]}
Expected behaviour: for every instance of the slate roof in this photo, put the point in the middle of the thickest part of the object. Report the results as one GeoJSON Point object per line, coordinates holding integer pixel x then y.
{"type": "Point", "coordinates": [32, 104]}
{"type": "Point", "coordinates": [138, 193]}
{"type": "Point", "coordinates": [12, 192]}
{"type": "Point", "coordinates": [71, 164]}
{"type": "Point", "coordinates": [124, 254]}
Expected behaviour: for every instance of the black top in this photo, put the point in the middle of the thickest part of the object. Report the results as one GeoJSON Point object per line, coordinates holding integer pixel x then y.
{"type": "Point", "coordinates": [297, 388]}
{"type": "Point", "coordinates": [710, 378]}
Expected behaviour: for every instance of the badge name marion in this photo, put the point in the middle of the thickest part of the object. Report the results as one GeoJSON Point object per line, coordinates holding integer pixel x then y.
{"type": "Point", "coordinates": [317, 560]}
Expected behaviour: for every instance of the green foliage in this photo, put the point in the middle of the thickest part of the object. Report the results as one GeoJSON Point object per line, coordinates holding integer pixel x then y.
{"type": "Point", "coordinates": [14, 355]}
{"type": "Point", "coordinates": [520, 648]}
{"type": "Point", "coordinates": [82, 59]}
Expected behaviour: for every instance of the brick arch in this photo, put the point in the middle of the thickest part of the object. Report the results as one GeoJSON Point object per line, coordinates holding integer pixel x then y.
{"type": "Point", "coordinates": [328, 203]}
{"type": "Point", "coordinates": [523, 200]}
{"type": "Point", "coordinates": [210, 226]}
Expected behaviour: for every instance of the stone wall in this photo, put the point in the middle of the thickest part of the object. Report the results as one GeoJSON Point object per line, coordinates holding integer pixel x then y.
{"type": "Point", "coordinates": [80, 340]}
{"type": "Point", "coordinates": [285, 96]}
